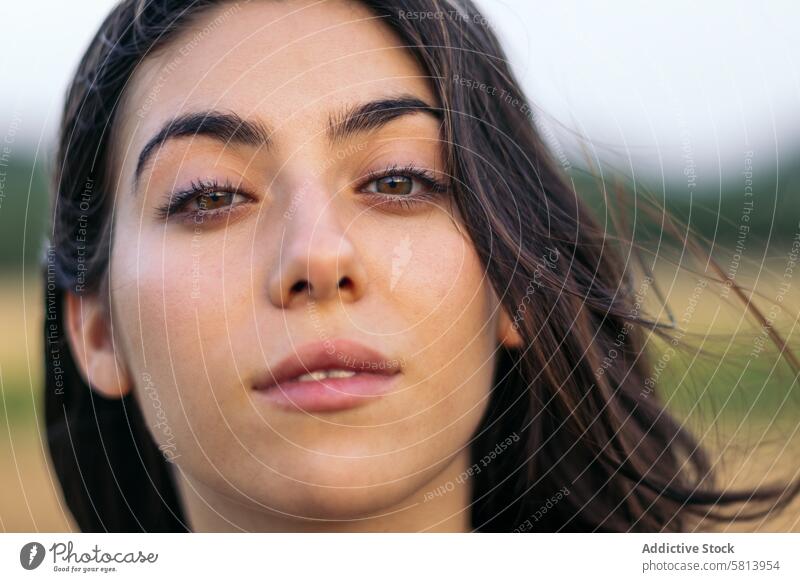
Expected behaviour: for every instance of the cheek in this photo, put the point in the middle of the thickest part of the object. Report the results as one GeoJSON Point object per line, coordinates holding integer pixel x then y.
{"type": "Point", "coordinates": [174, 298]}
{"type": "Point", "coordinates": [434, 293]}
{"type": "Point", "coordinates": [170, 284]}
{"type": "Point", "coordinates": [429, 274]}
{"type": "Point", "coordinates": [439, 288]}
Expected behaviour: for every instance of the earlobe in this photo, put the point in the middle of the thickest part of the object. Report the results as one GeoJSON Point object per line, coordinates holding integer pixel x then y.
{"type": "Point", "coordinates": [88, 330]}
{"type": "Point", "coordinates": [507, 333]}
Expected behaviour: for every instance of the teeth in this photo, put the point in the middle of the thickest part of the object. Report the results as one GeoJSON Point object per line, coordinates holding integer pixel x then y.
{"type": "Point", "coordinates": [323, 374]}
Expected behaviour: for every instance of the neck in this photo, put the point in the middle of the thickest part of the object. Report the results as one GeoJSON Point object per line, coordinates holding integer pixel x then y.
{"type": "Point", "coordinates": [440, 505]}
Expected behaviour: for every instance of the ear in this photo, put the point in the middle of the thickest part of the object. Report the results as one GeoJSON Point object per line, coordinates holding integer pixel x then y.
{"type": "Point", "coordinates": [88, 330]}
{"type": "Point", "coordinates": [507, 332]}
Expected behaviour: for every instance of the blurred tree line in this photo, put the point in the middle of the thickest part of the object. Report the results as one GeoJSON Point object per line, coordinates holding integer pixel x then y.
{"type": "Point", "coordinates": [714, 210]}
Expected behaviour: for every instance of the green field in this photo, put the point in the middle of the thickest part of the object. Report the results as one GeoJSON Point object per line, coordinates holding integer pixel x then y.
{"type": "Point", "coordinates": [729, 398]}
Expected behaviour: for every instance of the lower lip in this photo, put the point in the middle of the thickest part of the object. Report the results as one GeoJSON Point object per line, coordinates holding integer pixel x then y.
{"type": "Point", "coordinates": [330, 394]}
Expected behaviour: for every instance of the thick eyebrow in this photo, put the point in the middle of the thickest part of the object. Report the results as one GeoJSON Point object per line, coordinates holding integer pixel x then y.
{"type": "Point", "coordinates": [228, 127]}
{"type": "Point", "coordinates": [221, 126]}
{"type": "Point", "coordinates": [374, 114]}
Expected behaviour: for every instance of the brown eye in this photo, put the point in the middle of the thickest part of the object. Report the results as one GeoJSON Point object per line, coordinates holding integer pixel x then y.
{"type": "Point", "coordinates": [217, 200]}
{"type": "Point", "coordinates": [403, 186]}
{"type": "Point", "coordinates": [395, 185]}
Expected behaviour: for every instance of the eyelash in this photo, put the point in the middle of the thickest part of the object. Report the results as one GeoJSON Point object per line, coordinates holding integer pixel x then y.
{"type": "Point", "coordinates": [432, 188]}
{"type": "Point", "coordinates": [178, 200]}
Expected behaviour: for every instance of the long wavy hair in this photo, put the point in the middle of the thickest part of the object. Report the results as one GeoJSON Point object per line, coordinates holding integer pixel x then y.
{"type": "Point", "coordinates": [597, 450]}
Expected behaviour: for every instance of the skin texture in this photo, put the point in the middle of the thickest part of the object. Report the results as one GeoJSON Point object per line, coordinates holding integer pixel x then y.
{"type": "Point", "coordinates": [200, 311]}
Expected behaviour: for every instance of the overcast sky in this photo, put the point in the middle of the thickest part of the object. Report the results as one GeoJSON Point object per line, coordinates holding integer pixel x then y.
{"type": "Point", "coordinates": [635, 78]}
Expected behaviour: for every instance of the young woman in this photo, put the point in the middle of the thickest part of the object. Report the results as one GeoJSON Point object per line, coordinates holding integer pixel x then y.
{"type": "Point", "coordinates": [312, 270]}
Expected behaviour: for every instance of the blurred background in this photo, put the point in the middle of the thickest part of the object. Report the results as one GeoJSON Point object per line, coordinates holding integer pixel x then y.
{"type": "Point", "coordinates": [683, 106]}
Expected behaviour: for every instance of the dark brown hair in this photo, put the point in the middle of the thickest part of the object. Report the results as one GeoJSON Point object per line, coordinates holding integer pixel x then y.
{"type": "Point", "coordinates": [589, 432]}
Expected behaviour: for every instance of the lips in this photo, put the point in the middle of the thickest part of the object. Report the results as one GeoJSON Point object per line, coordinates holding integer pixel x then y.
{"type": "Point", "coordinates": [354, 375]}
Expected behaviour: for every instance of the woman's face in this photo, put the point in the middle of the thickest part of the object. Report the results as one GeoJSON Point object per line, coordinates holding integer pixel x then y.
{"type": "Point", "coordinates": [300, 240]}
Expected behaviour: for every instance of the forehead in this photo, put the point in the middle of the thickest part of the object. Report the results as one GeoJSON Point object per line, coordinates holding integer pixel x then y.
{"type": "Point", "coordinates": [289, 63]}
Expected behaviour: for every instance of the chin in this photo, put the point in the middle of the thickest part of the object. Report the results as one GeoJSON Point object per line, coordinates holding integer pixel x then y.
{"type": "Point", "coordinates": [345, 502]}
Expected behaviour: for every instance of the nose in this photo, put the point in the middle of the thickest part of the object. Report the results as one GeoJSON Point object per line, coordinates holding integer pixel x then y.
{"type": "Point", "coordinates": [317, 260]}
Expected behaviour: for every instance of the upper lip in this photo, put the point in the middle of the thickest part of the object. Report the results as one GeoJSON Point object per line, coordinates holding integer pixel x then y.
{"type": "Point", "coordinates": [339, 354]}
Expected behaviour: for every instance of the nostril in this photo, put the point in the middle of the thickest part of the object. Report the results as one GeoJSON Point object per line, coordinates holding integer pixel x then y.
{"type": "Point", "coordinates": [345, 283]}
{"type": "Point", "coordinates": [299, 286]}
